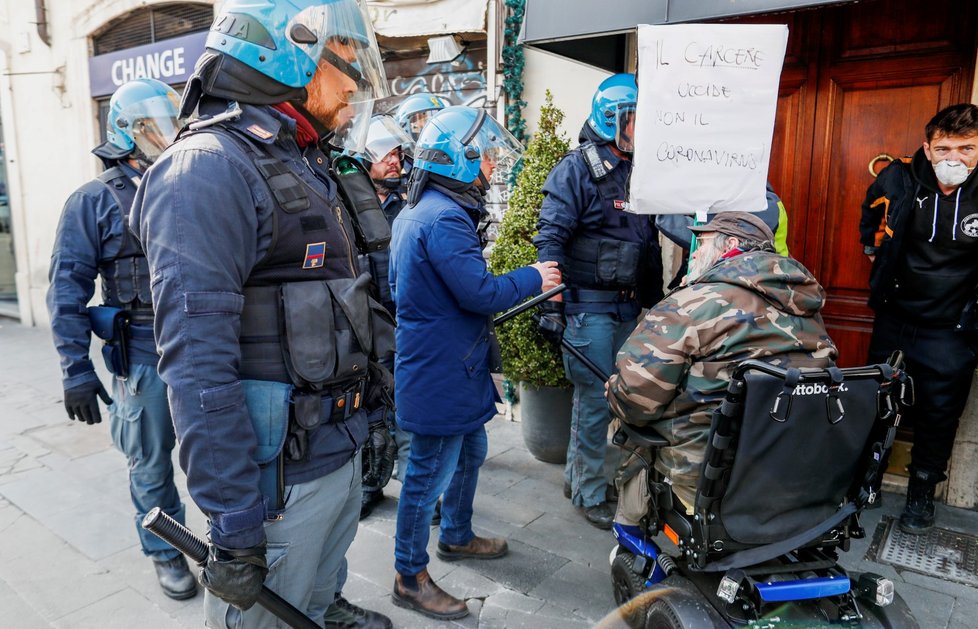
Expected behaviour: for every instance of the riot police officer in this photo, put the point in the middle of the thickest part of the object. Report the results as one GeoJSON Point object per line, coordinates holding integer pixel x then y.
{"type": "Point", "coordinates": [381, 157]}
{"type": "Point", "coordinates": [412, 115]}
{"type": "Point", "coordinates": [611, 263]}
{"type": "Point", "coordinates": [93, 240]}
{"type": "Point", "coordinates": [266, 327]}
{"type": "Point", "coordinates": [415, 111]}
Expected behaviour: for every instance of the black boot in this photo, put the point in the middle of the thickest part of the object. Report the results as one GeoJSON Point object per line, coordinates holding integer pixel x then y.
{"type": "Point", "coordinates": [918, 515]}
{"type": "Point", "coordinates": [175, 578]}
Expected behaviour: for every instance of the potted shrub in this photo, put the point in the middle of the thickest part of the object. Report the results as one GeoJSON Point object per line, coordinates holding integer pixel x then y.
{"type": "Point", "coordinates": [528, 358]}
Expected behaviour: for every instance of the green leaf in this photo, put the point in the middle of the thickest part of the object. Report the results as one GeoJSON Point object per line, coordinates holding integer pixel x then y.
{"type": "Point", "coordinates": [527, 356]}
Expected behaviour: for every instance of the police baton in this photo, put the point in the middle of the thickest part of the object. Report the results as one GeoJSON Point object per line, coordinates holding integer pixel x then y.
{"type": "Point", "coordinates": [570, 349]}
{"type": "Point", "coordinates": [526, 305]}
{"type": "Point", "coordinates": [184, 540]}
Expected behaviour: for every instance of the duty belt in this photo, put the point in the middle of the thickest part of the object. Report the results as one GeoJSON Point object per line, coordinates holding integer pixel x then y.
{"type": "Point", "coordinates": [343, 401]}
{"type": "Point", "coordinates": [586, 295]}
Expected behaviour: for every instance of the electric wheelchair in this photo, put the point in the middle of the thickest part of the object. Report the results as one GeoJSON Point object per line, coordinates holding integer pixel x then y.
{"type": "Point", "coordinates": [792, 458]}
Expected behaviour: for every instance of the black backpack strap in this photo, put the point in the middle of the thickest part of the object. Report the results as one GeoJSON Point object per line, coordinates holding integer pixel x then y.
{"type": "Point", "coordinates": [123, 191]}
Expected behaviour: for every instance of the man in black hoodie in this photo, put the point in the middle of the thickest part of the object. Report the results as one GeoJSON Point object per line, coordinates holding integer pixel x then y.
{"type": "Point", "coordinates": [919, 227]}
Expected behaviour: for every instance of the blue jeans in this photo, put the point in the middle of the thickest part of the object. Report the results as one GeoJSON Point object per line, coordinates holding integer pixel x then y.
{"type": "Point", "coordinates": [599, 336]}
{"type": "Point", "coordinates": [306, 551]}
{"type": "Point", "coordinates": [403, 440]}
{"type": "Point", "coordinates": [142, 430]}
{"type": "Point", "coordinates": [437, 465]}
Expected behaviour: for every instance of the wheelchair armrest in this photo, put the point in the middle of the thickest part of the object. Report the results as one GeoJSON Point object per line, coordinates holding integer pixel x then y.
{"type": "Point", "coordinates": [646, 437]}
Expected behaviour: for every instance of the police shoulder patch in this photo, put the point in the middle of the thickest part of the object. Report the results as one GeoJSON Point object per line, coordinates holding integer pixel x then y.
{"type": "Point", "coordinates": [315, 255]}
{"type": "Point", "coordinates": [264, 134]}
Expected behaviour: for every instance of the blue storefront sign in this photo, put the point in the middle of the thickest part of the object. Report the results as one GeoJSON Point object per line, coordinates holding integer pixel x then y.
{"type": "Point", "coordinates": [171, 61]}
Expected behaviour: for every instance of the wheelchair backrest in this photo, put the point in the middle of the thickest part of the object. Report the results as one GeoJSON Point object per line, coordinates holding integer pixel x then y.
{"type": "Point", "coordinates": [786, 449]}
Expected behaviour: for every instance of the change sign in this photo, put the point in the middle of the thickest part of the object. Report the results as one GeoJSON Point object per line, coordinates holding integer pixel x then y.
{"type": "Point", "coordinates": [706, 104]}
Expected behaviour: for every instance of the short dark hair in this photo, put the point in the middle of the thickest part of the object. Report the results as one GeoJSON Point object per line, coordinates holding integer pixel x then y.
{"type": "Point", "coordinates": [959, 119]}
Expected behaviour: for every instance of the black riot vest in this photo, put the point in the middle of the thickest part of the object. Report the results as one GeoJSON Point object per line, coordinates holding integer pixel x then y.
{"type": "Point", "coordinates": [306, 317]}
{"type": "Point", "coordinates": [611, 259]}
{"type": "Point", "coordinates": [125, 278]}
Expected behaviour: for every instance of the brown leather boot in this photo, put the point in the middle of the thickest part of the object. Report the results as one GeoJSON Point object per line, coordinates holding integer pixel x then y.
{"type": "Point", "coordinates": [478, 548]}
{"type": "Point", "coordinates": [428, 599]}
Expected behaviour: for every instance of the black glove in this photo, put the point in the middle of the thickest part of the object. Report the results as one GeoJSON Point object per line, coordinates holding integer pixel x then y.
{"type": "Point", "coordinates": [381, 451]}
{"type": "Point", "coordinates": [81, 402]}
{"type": "Point", "coordinates": [235, 575]}
{"type": "Point", "coordinates": [380, 387]}
{"type": "Point", "coordinates": [550, 321]}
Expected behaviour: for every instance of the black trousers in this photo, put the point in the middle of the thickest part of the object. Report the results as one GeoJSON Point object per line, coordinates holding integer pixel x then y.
{"type": "Point", "coordinates": [941, 362]}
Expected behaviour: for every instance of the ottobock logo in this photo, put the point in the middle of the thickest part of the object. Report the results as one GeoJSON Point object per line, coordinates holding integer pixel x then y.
{"type": "Point", "coordinates": [816, 389]}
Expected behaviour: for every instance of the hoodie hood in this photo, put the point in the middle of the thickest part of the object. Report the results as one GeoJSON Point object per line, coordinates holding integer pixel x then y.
{"type": "Point", "coordinates": [783, 282]}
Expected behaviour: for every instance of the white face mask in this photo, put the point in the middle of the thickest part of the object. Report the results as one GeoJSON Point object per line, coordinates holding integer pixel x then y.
{"type": "Point", "coordinates": [951, 172]}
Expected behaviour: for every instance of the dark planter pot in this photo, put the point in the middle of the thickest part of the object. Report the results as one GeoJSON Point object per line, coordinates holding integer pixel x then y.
{"type": "Point", "coordinates": [545, 413]}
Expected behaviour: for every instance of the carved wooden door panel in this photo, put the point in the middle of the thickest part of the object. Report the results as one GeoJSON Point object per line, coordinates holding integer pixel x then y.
{"type": "Point", "coordinates": [859, 80]}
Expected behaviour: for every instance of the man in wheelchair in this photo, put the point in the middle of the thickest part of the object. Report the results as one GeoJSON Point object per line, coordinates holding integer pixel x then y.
{"type": "Point", "coordinates": [740, 300]}
{"type": "Point", "coordinates": [751, 451]}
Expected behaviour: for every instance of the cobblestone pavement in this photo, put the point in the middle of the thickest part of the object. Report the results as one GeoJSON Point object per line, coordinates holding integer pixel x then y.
{"type": "Point", "coordinates": [69, 555]}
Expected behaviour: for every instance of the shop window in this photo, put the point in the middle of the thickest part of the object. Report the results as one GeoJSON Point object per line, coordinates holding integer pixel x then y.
{"type": "Point", "coordinates": [153, 24]}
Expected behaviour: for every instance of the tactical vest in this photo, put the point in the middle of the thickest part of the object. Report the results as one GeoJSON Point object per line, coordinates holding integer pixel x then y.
{"type": "Point", "coordinates": [307, 316]}
{"type": "Point", "coordinates": [602, 263]}
{"type": "Point", "coordinates": [125, 278]}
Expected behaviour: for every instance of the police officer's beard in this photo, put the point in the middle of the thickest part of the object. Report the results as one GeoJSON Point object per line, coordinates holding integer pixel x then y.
{"type": "Point", "coordinates": [325, 109]}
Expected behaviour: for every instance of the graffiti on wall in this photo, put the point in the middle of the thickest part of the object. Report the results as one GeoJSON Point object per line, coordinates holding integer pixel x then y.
{"type": "Point", "coordinates": [460, 82]}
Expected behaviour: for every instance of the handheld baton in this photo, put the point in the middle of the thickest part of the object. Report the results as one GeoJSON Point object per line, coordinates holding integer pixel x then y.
{"type": "Point", "coordinates": [526, 305]}
{"type": "Point", "coordinates": [184, 540]}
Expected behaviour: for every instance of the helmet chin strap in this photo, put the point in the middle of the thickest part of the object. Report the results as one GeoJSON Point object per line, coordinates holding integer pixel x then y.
{"type": "Point", "coordinates": [484, 182]}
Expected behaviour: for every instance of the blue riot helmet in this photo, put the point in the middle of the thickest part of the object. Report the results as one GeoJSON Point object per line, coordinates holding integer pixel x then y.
{"type": "Point", "coordinates": [465, 144]}
{"type": "Point", "coordinates": [613, 111]}
{"type": "Point", "coordinates": [288, 41]}
{"type": "Point", "coordinates": [415, 110]}
{"type": "Point", "coordinates": [142, 119]}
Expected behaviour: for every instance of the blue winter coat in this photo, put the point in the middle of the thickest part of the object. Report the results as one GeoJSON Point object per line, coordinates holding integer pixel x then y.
{"type": "Point", "coordinates": [444, 295]}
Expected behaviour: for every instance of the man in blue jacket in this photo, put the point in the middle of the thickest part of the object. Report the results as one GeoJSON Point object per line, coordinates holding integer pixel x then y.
{"type": "Point", "coordinates": [266, 327]}
{"type": "Point", "coordinates": [612, 266]}
{"type": "Point", "coordinates": [445, 295]}
{"type": "Point", "coordinates": [93, 240]}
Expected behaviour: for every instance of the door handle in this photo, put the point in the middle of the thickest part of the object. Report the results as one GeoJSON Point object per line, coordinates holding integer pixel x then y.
{"type": "Point", "coordinates": [872, 162]}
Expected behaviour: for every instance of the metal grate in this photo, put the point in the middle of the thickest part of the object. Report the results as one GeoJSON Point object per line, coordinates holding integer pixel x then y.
{"type": "Point", "coordinates": [940, 553]}
{"type": "Point", "coordinates": [152, 24]}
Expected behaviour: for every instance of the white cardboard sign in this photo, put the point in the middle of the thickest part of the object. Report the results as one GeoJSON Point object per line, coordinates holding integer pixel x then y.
{"type": "Point", "coordinates": [707, 98]}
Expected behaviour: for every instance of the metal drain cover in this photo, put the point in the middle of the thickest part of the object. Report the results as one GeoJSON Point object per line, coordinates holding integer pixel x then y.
{"type": "Point", "coordinates": [940, 553]}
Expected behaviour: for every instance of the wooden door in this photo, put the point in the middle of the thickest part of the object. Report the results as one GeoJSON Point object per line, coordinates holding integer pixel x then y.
{"type": "Point", "coordinates": [859, 80]}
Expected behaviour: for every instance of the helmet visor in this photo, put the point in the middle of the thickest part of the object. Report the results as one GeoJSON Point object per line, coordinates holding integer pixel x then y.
{"type": "Point", "coordinates": [352, 126]}
{"type": "Point", "coordinates": [418, 120]}
{"type": "Point", "coordinates": [152, 123]}
{"type": "Point", "coordinates": [385, 136]}
{"type": "Point", "coordinates": [625, 128]}
{"type": "Point", "coordinates": [497, 146]}
{"type": "Point", "coordinates": [340, 33]}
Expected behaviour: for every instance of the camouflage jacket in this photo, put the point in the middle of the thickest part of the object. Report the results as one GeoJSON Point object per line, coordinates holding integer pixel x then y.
{"type": "Point", "coordinates": [673, 370]}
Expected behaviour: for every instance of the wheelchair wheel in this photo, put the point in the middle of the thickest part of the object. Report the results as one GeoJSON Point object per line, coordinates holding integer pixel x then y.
{"type": "Point", "coordinates": [681, 606]}
{"type": "Point", "coordinates": [627, 584]}
{"type": "Point", "coordinates": [662, 615]}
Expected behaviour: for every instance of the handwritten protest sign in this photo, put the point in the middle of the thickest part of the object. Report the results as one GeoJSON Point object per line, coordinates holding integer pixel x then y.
{"type": "Point", "coordinates": [706, 104]}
